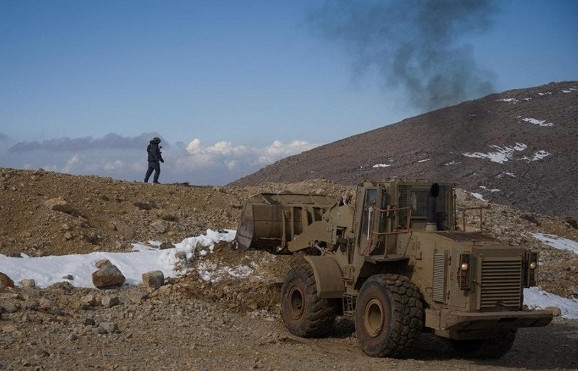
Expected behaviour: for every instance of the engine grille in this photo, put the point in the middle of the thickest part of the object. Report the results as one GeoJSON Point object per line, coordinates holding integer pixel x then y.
{"type": "Point", "coordinates": [439, 278]}
{"type": "Point", "coordinates": [501, 286]}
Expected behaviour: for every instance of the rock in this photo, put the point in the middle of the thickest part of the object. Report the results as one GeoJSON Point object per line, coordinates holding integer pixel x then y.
{"type": "Point", "coordinates": [166, 245]}
{"type": "Point", "coordinates": [89, 300]}
{"type": "Point", "coordinates": [556, 312]}
{"type": "Point", "coordinates": [62, 286]}
{"type": "Point", "coordinates": [110, 301]}
{"type": "Point", "coordinates": [102, 262]}
{"type": "Point", "coordinates": [108, 328]}
{"type": "Point", "coordinates": [108, 276]}
{"type": "Point", "coordinates": [153, 280]}
{"type": "Point", "coordinates": [28, 283]}
{"type": "Point", "coordinates": [181, 255]}
{"type": "Point", "coordinates": [159, 226]}
{"type": "Point", "coordinates": [31, 304]}
{"type": "Point", "coordinates": [5, 281]}
{"type": "Point", "coordinates": [571, 221]}
{"type": "Point", "coordinates": [9, 307]}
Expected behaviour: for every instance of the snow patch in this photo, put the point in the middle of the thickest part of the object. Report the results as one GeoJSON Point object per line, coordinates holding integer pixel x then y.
{"type": "Point", "coordinates": [539, 155]}
{"type": "Point", "coordinates": [505, 173]}
{"type": "Point", "coordinates": [536, 298]}
{"type": "Point", "coordinates": [47, 270]}
{"type": "Point", "coordinates": [538, 122]}
{"type": "Point", "coordinates": [508, 100]}
{"type": "Point", "coordinates": [492, 190]}
{"type": "Point", "coordinates": [478, 196]}
{"type": "Point", "coordinates": [452, 162]}
{"type": "Point", "coordinates": [556, 242]}
{"type": "Point", "coordinates": [501, 155]}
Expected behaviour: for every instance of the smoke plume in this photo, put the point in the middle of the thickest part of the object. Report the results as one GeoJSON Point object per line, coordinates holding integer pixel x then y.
{"type": "Point", "coordinates": [413, 45]}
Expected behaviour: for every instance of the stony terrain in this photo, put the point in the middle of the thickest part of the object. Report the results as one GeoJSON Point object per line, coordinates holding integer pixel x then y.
{"type": "Point", "coordinates": [190, 323]}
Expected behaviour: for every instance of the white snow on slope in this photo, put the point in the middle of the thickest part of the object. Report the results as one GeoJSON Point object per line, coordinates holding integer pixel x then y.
{"type": "Point", "coordinates": [538, 122]}
{"type": "Point", "coordinates": [501, 155]}
{"type": "Point", "coordinates": [505, 154]}
{"type": "Point", "coordinates": [536, 298]}
{"type": "Point", "coordinates": [557, 242]}
{"type": "Point", "coordinates": [539, 155]}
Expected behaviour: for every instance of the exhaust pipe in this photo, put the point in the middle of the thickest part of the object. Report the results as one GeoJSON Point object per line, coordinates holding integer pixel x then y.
{"type": "Point", "coordinates": [432, 224]}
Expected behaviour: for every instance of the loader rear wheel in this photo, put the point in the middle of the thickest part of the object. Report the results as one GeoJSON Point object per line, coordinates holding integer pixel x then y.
{"type": "Point", "coordinates": [303, 312]}
{"type": "Point", "coordinates": [486, 348]}
{"type": "Point", "coordinates": [388, 315]}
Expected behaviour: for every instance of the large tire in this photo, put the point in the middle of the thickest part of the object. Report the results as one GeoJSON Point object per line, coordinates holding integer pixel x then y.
{"type": "Point", "coordinates": [486, 348]}
{"type": "Point", "coordinates": [303, 312]}
{"type": "Point", "coordinates": [388, 315]}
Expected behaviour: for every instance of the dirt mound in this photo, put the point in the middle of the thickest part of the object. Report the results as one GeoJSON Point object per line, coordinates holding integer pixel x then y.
{"type": "Point", "coordinates": [48, 213]}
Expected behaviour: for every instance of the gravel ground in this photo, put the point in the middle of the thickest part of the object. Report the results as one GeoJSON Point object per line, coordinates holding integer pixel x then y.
{"type": "Point", "coordinates": [162, 331]}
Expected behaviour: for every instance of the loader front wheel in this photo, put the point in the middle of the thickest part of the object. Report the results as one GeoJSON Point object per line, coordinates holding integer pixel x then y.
{"type": "Point", "coordinates": [388, 315]}
{"type": "Point", "coordinates": [303, 312]}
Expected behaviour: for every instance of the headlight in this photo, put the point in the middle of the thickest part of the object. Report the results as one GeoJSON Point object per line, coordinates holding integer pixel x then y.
{"type": "Point", "coordinates": [533, 265]}
{"type": "Point", "coordinates": [463, 273]}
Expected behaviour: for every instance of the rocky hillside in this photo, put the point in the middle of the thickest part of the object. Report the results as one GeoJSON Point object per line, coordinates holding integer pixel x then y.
{"type": "Point", "coordinates": [515, 148]}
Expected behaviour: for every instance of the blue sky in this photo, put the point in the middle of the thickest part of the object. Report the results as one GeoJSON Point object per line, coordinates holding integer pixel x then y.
{"type": "Point", "coordinates": [231, 86]}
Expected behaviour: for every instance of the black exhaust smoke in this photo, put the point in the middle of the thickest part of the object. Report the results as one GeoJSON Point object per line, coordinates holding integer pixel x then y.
{"type": "Point", "coordinates": [414, 45]}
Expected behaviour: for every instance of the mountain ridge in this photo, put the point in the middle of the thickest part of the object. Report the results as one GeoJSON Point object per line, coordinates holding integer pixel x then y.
{"type": "Point", "coordinates": [516, 148]}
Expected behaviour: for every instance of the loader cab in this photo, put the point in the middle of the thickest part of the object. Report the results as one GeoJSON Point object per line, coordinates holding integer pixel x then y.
{"type": "Point", "coordinates": [431, 206]}
{"type": "Point", "coordinates": [385, 210]}
{"type": "Point", "coordinates": [373, 219]}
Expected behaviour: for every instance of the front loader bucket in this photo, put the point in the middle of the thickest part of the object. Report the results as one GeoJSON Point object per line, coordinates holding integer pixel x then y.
{"type": "Point", "coordinates": [268, 221]}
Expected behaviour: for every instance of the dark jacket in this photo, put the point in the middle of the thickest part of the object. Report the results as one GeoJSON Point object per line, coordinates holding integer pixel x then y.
{"type": "Point", "coordinates": [154, 151]}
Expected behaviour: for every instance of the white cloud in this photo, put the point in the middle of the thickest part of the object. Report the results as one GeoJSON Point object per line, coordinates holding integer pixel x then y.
{"type": "Point", "coordinates": [218, 163]}
{"type": "Point", "coordinates": [74, 161]}
{"type": "Point", "coordinates": [278, 150]}
{"type": "Point", "coordinates": [194, 146]}
{"type": "Point", "coordinates": [230, 160]}
{"type": "Point", "coordinates": [114, 165]}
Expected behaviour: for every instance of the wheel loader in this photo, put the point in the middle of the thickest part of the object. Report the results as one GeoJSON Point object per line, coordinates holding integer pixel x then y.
{"type": "Point", "coordinates": [396, 262]}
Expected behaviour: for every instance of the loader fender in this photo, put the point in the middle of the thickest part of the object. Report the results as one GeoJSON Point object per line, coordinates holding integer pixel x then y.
{"type": "Point", "coordinates": [328, 278]}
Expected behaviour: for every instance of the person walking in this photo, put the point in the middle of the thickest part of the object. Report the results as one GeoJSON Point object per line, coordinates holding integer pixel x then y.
{"type": "Point", "coordinates": [154, 159]}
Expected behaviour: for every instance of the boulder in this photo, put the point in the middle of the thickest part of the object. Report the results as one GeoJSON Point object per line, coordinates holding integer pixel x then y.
{"type": "Point", "coordinates": [5, 281]}
{"type": "Point", "coordinates": [153, 280]}
{"type": "Point", "coordinates": [108, 276]}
